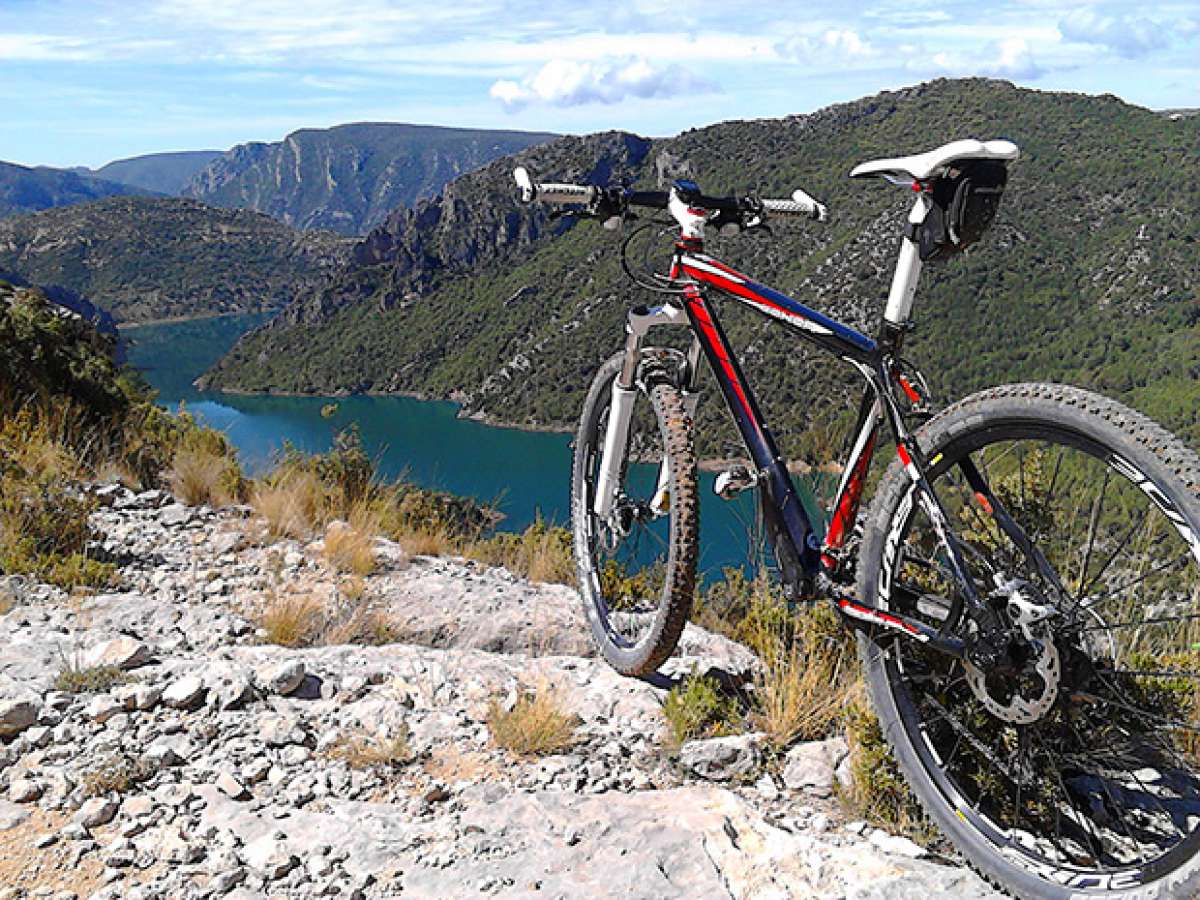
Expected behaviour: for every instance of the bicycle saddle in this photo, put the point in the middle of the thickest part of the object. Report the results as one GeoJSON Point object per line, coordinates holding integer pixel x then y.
{"type": "Point", "coordinates": [934, 162]}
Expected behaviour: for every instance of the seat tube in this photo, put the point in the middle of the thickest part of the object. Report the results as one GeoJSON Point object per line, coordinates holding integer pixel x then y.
{"type": "Point", "coordinates": [908, 270]}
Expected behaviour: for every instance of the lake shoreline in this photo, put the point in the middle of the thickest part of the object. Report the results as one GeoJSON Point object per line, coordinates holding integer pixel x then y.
{"type": "Point", "coordinates": [795, 467]}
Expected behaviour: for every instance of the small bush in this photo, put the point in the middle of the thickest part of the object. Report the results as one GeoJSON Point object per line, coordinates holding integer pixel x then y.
{"type": "Point", "coordinates": [537, 725]}
{"type": "Point", "coordinates": [361, 750]}
{"type": "Point", "coordinates": [697, 708]}
{"type": "Point", "coordinates": [117, 775]}
{"type": "Point", "coordinates": [74, 679]}
{"type": "Point", "coordinates": [540, 553]}
{"type": "Point", "coordinates": [291, 503]}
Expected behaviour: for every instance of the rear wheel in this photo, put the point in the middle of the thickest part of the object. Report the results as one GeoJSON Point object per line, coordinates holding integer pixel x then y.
{"type": "Point", "coordinates": [1074, 771]}
{"type": "Point", "coordinates": [637, 566]}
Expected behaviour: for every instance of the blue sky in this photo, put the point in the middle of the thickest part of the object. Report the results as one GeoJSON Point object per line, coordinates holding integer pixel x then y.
{"type": "Point", "coordinates": [86, 81]}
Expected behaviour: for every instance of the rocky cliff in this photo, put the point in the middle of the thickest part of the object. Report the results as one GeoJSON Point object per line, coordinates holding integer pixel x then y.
{"type": "Point", "coordinates": [349, 178]}
{"type": "Point", "coordinates": [151, 745]}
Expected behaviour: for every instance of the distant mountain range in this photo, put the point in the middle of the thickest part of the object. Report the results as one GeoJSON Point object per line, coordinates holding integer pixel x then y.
{"type": "Point", "coordinates": [162, 173]}
{"type": "Point", "coordinates": [345, 179]}
{"type": "Point", "coordinates": [24, 189]}
{"type": "Point", "coordinates": [147, 258]}
{"type": "Point", "coordinates": [349, 178]}
{"type": "Point", "coordinates": [1091, 274]}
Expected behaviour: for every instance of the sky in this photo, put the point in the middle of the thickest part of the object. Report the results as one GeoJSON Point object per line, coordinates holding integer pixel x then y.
{"type": "Point", "coordinates": [83, 82]}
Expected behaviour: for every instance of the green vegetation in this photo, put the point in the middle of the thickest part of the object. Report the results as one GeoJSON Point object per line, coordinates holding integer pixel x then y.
{"type": "Point", "coordinates": [1089, 275]}
{"type": "Point", "coordinates": [697, 707]}
{"type": "Point", "coordinates": [68, 414]}
{"type": "Point", "coordinates": [75, 679]}
{"type": "Point", "coordinates": [144, 258]}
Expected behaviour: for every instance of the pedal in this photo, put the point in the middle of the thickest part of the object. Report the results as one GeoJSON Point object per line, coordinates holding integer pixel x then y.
{"type": "Point", "coordinates": [733, 481]}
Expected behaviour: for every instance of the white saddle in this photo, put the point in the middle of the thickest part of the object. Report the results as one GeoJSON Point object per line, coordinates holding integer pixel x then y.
{"type": "Point", "coordinates": [935, 162]}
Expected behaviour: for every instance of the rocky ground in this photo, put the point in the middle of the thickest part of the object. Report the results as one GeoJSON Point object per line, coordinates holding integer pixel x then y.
{"type": "Point", "coordinates": [215, 765]}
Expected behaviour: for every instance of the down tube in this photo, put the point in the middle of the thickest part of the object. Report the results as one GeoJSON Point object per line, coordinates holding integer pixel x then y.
{"type": "Point", "coordinates": [755, 433]}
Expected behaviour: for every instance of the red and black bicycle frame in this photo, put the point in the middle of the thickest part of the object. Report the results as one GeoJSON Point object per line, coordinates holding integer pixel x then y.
{"type": "Point", "coordinates": [806, 558]}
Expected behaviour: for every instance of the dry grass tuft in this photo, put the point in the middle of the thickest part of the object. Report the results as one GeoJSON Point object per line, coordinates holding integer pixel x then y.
{"type": "Point", "coordinates": [292, 620]}
{"type": "Point", "coordinates": [362, 750]}
{"type": "Point", "coordinates": [117, 774]}
{"type": "Point", "coordinates": [423, 541]}
{"type": "Point", "coordinates": [74, 679]}
{"type": "Point", "coordinates": [291, 505]}
{"type": "Point", "coordinates": [540, 553]}
{"type": "Point", "coordinates": [348, 616]}
{"type": "Point", "coordinates": [537, 724]}
{"type": "Point", "coordinates": [808, 669]}
{"type": "Point", "coordinates": [349, 547]}
{"type": "Point", "coordinates": [202, 476]}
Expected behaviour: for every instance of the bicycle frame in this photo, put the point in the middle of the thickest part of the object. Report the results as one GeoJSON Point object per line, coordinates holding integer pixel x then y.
{"type": "Point", "coordinates": [806, 558]}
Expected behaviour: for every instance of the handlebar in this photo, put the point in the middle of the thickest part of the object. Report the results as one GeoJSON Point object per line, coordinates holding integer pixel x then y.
{"type": "Point", "coordinates": [615, 200]}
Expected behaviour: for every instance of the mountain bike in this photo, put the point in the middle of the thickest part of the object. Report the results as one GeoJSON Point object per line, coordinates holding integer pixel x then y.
{"type": "Point", "coordinates": [1025, 583]}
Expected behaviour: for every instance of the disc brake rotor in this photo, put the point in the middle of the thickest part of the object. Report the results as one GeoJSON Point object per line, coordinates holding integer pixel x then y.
{"type": "Point", "coordinates": [1027, 702]}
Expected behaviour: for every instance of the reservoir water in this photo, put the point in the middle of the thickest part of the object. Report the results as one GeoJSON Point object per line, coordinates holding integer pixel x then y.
{"type": "Point", "coordinates": [524, 473]}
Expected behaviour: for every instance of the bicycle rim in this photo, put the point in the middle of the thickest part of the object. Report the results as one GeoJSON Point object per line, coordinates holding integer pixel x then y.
{"type": "Point", "coordinates": [1081, 763]}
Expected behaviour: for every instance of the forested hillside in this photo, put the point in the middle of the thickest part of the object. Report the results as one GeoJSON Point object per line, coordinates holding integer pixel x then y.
{"type": "Point", "coordinates": [349, 178]}
{"type": "Point", "coordinates": [144, 258]}
{"type": "Point", "coordinates": [1089, 276]}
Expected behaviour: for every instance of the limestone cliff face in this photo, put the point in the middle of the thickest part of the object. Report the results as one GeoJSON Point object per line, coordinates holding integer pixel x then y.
{"type": "Point", "coordinates": [349, 178]}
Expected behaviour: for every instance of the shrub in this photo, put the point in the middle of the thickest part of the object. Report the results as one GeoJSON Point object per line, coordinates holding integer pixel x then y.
{"type": "Point", "coordinates": [117, 774]}
{"type": "Point", "coordinates": [878, 791]}
{"type": "Point", "coordinates": [536, 725]}
{"type": "Point", "coordinates": [697, 708]}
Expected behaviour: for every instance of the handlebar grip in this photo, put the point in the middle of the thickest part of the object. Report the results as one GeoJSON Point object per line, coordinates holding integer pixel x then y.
{"type": "Point", "coordinates": [564, 193]}
{"type": "Point", "coordinates": [551, 193]}
{"type": "Point", "coordinates": [801, 206]}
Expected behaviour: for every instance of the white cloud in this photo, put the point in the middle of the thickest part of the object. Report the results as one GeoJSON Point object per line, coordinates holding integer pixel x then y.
{"type": "Point", "coordinates": [573, 82]}
{"type": "Point", "coordinates": [1129, 36]}
{"type": "Point", "coordinates": [833, 45]}
{"type": "Point", "coordinates": [1009, 57]}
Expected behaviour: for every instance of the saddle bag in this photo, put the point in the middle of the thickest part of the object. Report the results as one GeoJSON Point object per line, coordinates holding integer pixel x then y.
{"type": "Point", "coordinates": [965, 201]}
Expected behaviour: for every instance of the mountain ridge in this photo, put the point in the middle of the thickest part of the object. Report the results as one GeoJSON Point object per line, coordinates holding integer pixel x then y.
{"type": "Point", "coordinates": [460, 296]}
{"type": "Point", "coordinates": [348, 178]}
{"type": "Point", "coordinates": [148, 258]}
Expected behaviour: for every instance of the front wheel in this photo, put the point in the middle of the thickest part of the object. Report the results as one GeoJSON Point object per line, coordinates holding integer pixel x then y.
{"type": "Point", "coordinates": [637, 564]}
{"type": "Point", "coordinates": [1073, 770]}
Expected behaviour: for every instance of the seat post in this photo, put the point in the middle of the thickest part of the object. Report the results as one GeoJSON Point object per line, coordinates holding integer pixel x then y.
{"type": "Point", "coordinates": [908, 269]}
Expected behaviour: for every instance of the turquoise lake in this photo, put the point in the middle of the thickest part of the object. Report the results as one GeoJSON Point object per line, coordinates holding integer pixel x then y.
{"type": "Point", "coordinates": [524, 473]}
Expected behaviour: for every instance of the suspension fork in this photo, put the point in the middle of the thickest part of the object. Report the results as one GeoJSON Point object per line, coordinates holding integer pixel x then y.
{"type": "Point", "coordinates": [624, 392]}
